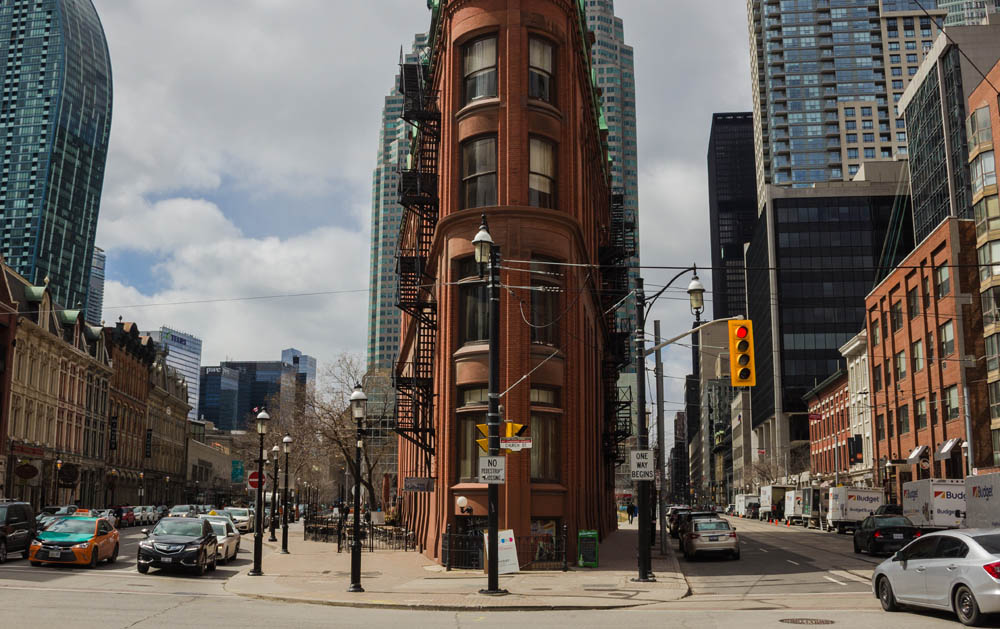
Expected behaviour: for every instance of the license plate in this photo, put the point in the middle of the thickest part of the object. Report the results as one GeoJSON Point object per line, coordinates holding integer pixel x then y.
{"type": "Point", "coordinates": [166, 559]}
{"type": "Point", "coordinates": [55, 554]}
{"type": "Point", "coordinates": [713, 538]}
{"type": "Point", "coordinates": [897, 536]}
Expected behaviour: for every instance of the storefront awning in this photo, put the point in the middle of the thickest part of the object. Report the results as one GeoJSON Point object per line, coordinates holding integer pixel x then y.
{"type": "Point", "coordinates": [918, 453]}
{"type": "Point", "coordinates": [947, 449]}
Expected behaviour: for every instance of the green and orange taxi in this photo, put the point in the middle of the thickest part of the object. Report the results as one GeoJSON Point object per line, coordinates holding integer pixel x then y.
{"type": "Point", "coordinates": [75, 540]}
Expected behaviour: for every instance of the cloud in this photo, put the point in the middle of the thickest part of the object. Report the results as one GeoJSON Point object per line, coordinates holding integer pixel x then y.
{"type": "Point", "coordinates": [167, 225]}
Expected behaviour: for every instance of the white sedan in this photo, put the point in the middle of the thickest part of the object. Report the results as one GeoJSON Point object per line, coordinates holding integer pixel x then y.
{"type": "Point", "coordinates": [956, 570]}
{"type": "Point", "coordinates": [228, 540]}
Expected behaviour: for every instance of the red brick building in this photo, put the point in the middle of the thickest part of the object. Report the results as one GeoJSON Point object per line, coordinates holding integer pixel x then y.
{"type": "Point", "coordinates": [983, 128]}
{"type": "Point", "coordinates": [926, 350]}
{"type": "Point", "coordinates": [8, 329]}
{"type": "Point", "coordinates": [829, 427]}
{"type": "Point", "coordinates": [510, 127]}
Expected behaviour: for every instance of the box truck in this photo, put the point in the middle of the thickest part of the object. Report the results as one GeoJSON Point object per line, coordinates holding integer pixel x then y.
{"type": "Point", "coordinates": [934, 503]}
{"type": "Point", "coordinates": [814, 507]}
{"type": "Point", "coordinates": [793, 506]}
{"type": "Point", "coordinates": [772, 501]}
{"type": "Point", "coordinates": [743, 501]}
{"type": "Point", "coordinates": [849, 506]}
{"type": "Point", "coordinates": [982, 501]}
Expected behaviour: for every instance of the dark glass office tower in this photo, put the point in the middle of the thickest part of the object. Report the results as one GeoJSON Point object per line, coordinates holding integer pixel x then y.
{"type": "Point", "coordinates": [55, 117]}
{"type": "Point", "coordinates": [732, 208]}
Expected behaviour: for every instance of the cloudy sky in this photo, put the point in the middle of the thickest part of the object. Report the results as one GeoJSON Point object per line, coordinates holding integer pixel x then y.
{"type": "Point", "coordinates": [244, 134]}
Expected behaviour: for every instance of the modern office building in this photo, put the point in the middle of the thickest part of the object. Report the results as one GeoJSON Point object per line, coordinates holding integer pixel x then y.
{"type": "Point", "coordinates": [826, 77]}
{"type": "Point", "coordinates": [614, 69]}
{"type": "Point", "coordinates": [55, 119]}
{"type": "Point", "coordinates": [183, 354]}
{"type": "Point", "coordinates": [510, 128]}
{"type": "Point", "coordinates": [935, 106]}
{"type": "Point", "coordinates": [95, 296]}
{"type": "Point", "coordinates": [304, 364]}
{"type": "Point", "coordinates": [814, 256]}
{"type": "Point", "coordinates": [383, 291]}
{"type": "Point", "coordinates": [732, 208]}
{"type": "Point", "coordinates": [219, 390]}
{"type": "Point", "coordinates": [968, 12]}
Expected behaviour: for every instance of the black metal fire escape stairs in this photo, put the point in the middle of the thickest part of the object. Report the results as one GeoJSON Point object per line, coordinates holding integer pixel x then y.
{"type": "Point", "coordinates": [614, 256]}
{"type": "Point", "coordinates": [418, 194]}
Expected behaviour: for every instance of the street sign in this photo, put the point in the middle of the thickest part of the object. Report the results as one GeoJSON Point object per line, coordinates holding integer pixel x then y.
{"type": "Point", "coordinates": [414, 483]}
{"type": "Point", "coordinates": [236, 474]}
{"type": "Point", "coordinates": [492, 470]}
{"type": "Point", "coordinates": [254, 480]}
{"type": "Point", "coordinates": [514, 444]}
{"type": "Point", "coordinates": [642, 467]}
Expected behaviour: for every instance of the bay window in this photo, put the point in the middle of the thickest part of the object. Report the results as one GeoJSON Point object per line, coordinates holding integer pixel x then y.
{"type": "Point", "coordinates": [479, 59]}
{"type": "Point", "coordinates": [542, 173]}
{"type": "Point", "coordinates": [479, 172]}
{"type": "Point", "coordinates": [540, 68]}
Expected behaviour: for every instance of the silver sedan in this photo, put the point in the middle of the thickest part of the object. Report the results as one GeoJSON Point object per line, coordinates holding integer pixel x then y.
{"type": "Point", "coordinates": [710, 536]}
{"type": "Point", "coordinates": [956, 570]}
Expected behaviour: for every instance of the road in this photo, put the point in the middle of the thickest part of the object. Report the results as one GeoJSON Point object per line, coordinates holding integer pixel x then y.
{"type": "Point", "coordinates": [760, 590]}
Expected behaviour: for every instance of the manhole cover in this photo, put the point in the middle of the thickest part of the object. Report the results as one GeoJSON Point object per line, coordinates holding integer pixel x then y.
{"type": "Point", "coordinates": [806, 621]}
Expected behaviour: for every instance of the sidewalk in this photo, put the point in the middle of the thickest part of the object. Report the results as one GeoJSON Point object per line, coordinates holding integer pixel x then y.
{"type": "Point", "coordinates": [313, 572]}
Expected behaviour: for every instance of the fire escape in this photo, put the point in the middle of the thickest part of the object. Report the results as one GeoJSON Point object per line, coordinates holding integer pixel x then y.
{"type": "Point", "coordinates": [413, 377]}
{"type": "Point", "coordinates": [614, 257]}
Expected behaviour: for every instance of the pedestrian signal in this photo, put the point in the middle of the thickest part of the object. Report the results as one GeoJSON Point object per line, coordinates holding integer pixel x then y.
{"type": "Point", "coordinates": [742, 369]}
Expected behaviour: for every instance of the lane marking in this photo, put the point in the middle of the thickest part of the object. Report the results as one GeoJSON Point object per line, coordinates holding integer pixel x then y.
{"type": "Point", "coordinates": [793, 562]}
{"type": "Point", "coordinates": [834, 580]}
{"type": "Point", "coordinates": [763, 550]}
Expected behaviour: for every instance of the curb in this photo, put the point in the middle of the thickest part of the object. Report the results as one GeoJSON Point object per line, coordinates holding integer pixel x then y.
{"type": "Point", "coordinates": [676, 567]}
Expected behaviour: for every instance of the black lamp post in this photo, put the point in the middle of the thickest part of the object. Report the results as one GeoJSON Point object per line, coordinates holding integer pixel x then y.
{"type": "Point", "coordinates": [287, 444]}
{"type": "Point", "coordinates": [274, 494]}
{"type": "Point", "coordinates": [358, 409]}
{"type": "Point", "coordinates": [258, 534]}
{"type": "Point", "coordinates": [55, 478]}
{"type": "Point", "coordinates": [166, 491]}
{"type": "Point", "coordinates": [114, 486]}
{"type": "Point", "coordinates": [487, 254]}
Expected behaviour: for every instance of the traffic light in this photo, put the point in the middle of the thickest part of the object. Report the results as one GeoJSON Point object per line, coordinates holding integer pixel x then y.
{"type": "Point", "coordinates": [484, 444]}
{"type": "Point", "coordinates": [742, 370]}
{"type": "Point", "coordinates": [512, 430]}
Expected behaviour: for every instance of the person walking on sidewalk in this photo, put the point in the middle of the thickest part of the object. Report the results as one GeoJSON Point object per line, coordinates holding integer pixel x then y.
{"type": "Point", "coordinates": [630, 510]}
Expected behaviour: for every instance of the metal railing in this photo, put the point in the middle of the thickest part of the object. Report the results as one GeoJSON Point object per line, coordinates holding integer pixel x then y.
{"type": "Point", "coordinates": [340, 529]}
{"type": "Point", "coordinates": [534, 552]}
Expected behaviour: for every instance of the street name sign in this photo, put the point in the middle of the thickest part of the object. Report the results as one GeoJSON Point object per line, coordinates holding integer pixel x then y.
{"type": "Point", "coordinates": [642, 467]}
{"type": "Point", "coordinates": [492, 470]}
{"type": "Point", "coordinates": [515, 444]}
{"type": "Point", "coordinates": [414, 483]}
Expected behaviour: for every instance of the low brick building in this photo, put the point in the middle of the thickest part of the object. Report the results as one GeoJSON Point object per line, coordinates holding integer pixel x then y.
{"type": "Point", "coordinates": [926, 355]}
{"type": "Point", "coordinates": [829, 428]}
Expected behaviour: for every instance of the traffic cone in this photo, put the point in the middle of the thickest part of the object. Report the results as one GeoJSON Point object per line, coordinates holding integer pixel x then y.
{"type": "Point", "coordinates": [788, 522]}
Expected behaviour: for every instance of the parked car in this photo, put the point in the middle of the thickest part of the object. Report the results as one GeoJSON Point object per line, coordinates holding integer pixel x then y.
{"type": "Point", "coordinates": [889, 509]}
{"type": "Point", "coordinates": [753, 511]}
{"type": "Point", "coordinates": [884, 534]}
{"type": "Point", "coordinates": [242, 519]}
{"type": "Point", "coordinates": [675, 520]}
{"type": "Point", "coordinates": [76, 540]}
{"type": "Point", "coordinates": [187, 543]}
{"type": "Point", "coordinates": [161, 512]}
{"type": "Point", "coordinates": [685, 520]}
{"type": "Point", "coordinates": [180, 511]}
{"type": "Point", "coordinates": [17, 528]}
{"type": "Point", "coordinates": [228, 538]}
{"type": "Point", "coordinates": [128, 517]}
{"type": "Point", "coordinates": [53, 512]}
{"type": "Point", "coordinates": [955, 570]}
{"type": "Point", "coordinates": [710, 536]}
{"type": "Point", "coordinates": [109, 515]}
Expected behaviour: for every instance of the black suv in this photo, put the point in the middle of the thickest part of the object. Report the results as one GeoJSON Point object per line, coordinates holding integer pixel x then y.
{"type": "Point", "coordinates": [17, 528]}
{"type": "Point", "coordinates": [179, 543]}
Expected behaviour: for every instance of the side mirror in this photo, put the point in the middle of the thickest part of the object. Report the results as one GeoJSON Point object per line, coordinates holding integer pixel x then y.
{"type": "Point", "coordinates": [734, 528]}
{"type": "Point", "coordinates": [145, 532]}
{"type": "Point", "coordinates": [898, 556]}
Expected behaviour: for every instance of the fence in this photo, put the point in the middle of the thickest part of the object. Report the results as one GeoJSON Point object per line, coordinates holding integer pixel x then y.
{"type": "Point", "coordinates": [534, 552]}
{"type": "Point", "coordinates": [340, 529]}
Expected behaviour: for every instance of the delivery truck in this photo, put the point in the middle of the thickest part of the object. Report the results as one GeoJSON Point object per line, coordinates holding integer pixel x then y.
{"type": "Point", "coordinates": [934, 503]}
{"type": "Point", "coordinates": [982, 501]}
{"type": "Point", "coordinates": [814, 507]}
{"type": "Point", "coordinates": [849, 506]}
{"type": "Point", "coordinates": [793, 506]}
{"type": "Point", "coordinates": [743, 501]}
{"type": "Point", "coordinates": [772, 501]}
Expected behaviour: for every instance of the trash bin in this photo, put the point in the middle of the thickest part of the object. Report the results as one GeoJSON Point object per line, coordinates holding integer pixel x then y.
{"type": "Point", "coordinates": [586, 549]}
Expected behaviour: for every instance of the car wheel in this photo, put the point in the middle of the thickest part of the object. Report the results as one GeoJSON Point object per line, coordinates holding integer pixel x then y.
{"type": "Point", "coordinates": [142, 568]}
{"type": "Point", "coordinates": [966, 607]}
{"type": "Point", "coordinates": [36, 563]}
{"type": "Point", "coordinates": [114, 555]}
{"type": "Point", "coordinates": [885, 595]}
{"type": "Point", "coordinates": [94, 558]}
{"type": "Point", "coordinates": [201, 566]}
{"type": "Point", "coordinates": [215, 562]}
{"type": "Point", "coordinates": [3, 551]}
{"type": "Point", "coordinates": [857, 546]}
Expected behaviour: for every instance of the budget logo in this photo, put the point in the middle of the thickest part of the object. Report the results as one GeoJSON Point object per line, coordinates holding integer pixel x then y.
{"type": "Point", "coordinates": [950, 495]}
{"type": "Point", "coordinates": [910, 494]}
{"type": "Point", "coordinates": [982, 492]}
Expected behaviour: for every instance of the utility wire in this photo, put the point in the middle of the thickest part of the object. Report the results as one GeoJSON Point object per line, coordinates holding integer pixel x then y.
{"type": "Point", "coordinates": [941, 28]}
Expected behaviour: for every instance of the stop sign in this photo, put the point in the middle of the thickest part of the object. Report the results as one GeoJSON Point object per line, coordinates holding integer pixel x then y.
{"type": "Point", "coordinates": [254, 480]}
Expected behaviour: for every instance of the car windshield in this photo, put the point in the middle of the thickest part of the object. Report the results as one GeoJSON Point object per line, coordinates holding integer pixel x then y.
{"type": "Point", "coordinates": [65, 510]}
{"type": "Point", "coordinates": [178, 526]}
{"type": "Point", "coordinates": [893, 521]}
{"type": "Point", "coordinates": [219, 528]}
{"type": "Point", "coordinates": [711, 526]}
{"type": "Point", "coordinates": [991, 542]}
{"type": "Point", "coordinates": [72, 525]}
{"type": "Point", "coordinates": [180, 509]}
{"type": "Point", "coordinates": [242, 513]}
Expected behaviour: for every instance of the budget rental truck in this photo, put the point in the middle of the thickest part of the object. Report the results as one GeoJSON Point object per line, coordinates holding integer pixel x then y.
{"type": "Point", "coordinates": [772, 501]}
{"type": "Point", "coordinates": [793, 506]}
{"type": "Point", "coordinates": [934, 503]}
{"type": "Point", "coordinates": [743, 501]}
{"type": "Point", "coordinates": [982, 501]}
{"type": "Point", "coordinates": [849, 506]}
{"type": "Point", "coordinates": [815, 502]}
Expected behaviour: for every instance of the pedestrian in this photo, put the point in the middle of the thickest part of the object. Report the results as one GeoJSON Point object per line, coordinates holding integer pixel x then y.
{"type": "Point", "coordinates": [630, 510]}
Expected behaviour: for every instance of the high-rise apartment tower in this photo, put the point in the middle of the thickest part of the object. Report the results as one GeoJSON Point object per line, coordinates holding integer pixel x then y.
{"type": "Point", "coordinates": [95, 296]}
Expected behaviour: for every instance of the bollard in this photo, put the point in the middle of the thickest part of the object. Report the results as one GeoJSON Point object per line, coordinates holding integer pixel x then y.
{"type": "Point", "coordinates": [565, 543]}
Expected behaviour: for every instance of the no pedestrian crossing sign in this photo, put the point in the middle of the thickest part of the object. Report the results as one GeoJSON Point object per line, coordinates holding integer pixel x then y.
{"type": "Point", "coordinates": [642, 467]}
{"type": "Point", "coordinates": [493, 470]}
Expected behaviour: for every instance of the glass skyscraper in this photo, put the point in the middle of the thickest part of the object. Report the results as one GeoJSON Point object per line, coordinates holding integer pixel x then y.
{"type": "Point", "coordinates": [827, 75]}
{"type": "Point", "coordinates": [968, 12]}
{"type": "Point", "coordinates": [393, 148]}
{"type": "Point", "coordinates": [95, 296]}
{"type": "Point", "coordinates": [55, 117]}
{"type": "Point", "coordinates": [184, 355]}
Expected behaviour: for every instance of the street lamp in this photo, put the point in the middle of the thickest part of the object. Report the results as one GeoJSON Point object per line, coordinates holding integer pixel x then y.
{"type": "Point", "coordinates": [287, 444]}
{"type": "Point", "coordinates": [258, 536]}
{"type": "Point", "coordinates": [114, 486]}
{"type": "Point", "coordinates": [55, 479]}
{"type": "Point", "coordinates": [359, 402]}
{"type": "Point", "coordinates": [274, 493]}
{"type": "Point", "coordinates": [166, 490]}
{"type": "Point", "coordinates": [487, 254]}
{"type": "Point", "coordinates": [142, 485]}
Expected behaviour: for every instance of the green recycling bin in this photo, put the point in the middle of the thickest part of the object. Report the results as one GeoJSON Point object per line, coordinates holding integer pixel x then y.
{"type": "Point", "coordinates": [586, 549]}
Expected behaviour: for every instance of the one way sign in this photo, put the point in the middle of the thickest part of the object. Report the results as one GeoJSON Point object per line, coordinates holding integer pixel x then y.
{"type": "Point", "coordinates": [642, 467]}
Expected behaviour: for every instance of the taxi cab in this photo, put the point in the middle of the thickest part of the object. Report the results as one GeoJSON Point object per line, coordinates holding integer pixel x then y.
{"type": "Point", "coordinates": [76, 540]}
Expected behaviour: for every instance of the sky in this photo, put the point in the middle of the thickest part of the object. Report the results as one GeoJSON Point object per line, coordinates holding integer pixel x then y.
{"type": "Point", "coordinates": [236, 201]}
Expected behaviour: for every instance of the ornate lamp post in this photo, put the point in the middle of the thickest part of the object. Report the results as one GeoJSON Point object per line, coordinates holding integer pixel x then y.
{"type": "Point", "coordinates": [258, 537]}
{"type": "Point", "coordinates": [287, 444]}
{"type": "Point", "coordinates": [358, 410]}
{"type": "Point", "coordinates": [55, 480]}
{"type": "Point", "coordinates": [166, 491]}
{"type": "Point", "coordinates": [274, 493]}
